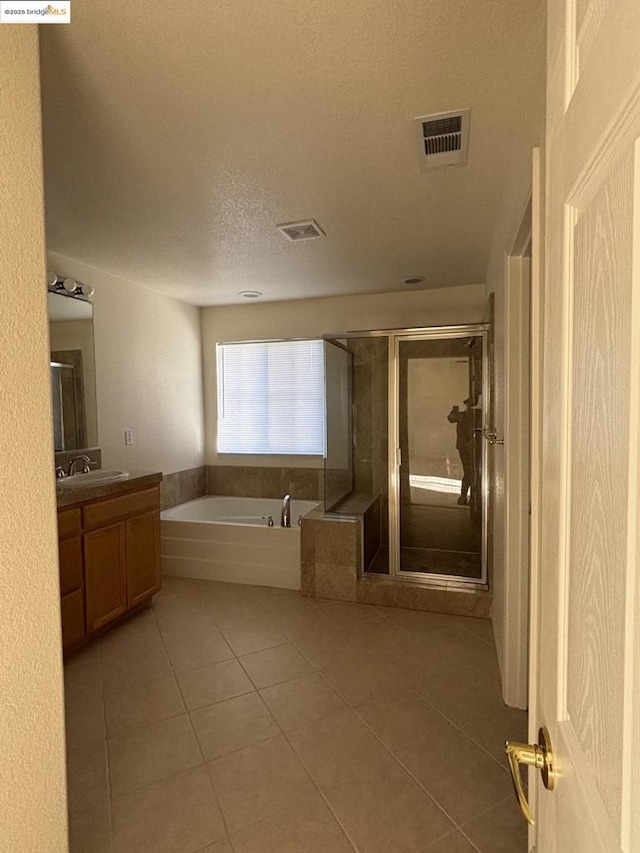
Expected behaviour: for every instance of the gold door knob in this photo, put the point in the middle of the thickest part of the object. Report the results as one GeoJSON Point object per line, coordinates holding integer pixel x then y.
{"type": "Point", "coordinates": [539, 755]}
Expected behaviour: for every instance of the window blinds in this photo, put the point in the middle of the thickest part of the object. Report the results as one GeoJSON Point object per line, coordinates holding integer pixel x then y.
{"type": "Point", "coordinates": [271, 397]}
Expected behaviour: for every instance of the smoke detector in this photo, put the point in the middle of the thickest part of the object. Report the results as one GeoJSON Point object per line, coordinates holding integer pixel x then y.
{"type": "Point", "coordinates": [296, 231]}
{"type": "Point", "coordinates": [443, 139]}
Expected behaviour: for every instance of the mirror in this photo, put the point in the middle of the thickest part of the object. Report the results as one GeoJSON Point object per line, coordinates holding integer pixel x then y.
{"type": "Point", "coordinates": [73, 376]}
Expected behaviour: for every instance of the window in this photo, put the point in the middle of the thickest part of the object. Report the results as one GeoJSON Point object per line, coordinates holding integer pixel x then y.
{"type": "Point", "coordinates": [271, 398]}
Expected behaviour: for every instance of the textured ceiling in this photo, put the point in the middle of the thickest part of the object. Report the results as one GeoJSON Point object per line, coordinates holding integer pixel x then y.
{"type": "Point", "coordinates": [178, 135]}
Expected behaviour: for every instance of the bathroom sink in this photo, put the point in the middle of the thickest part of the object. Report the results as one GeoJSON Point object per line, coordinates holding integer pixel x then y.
{"type": "Point", "coordinates": [99, 477]}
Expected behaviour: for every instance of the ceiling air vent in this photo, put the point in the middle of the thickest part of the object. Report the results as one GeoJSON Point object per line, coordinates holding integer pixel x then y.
{"type": "Point", "coordinates": [296, 231]}
{"type": "Point", "coordinates": [444, 139]}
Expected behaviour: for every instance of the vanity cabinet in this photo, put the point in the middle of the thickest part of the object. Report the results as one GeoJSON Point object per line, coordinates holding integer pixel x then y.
{"type": "Point", "coordinates": [71, 577]}
{"type": "Point", "coordinates": [109, 561]}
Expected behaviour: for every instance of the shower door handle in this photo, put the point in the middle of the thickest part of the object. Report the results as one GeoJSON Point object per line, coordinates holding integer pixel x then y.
{"type": "Point", "coordinates": [398, 457]}
{"type": "Point", "coordinates": [490, 435]}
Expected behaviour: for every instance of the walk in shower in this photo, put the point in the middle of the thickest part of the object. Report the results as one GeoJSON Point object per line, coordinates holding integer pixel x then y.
{"type": "Point", "coordinates": [405, 416]}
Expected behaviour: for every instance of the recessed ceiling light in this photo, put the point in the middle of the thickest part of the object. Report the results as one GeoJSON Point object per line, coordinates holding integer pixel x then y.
{"type": "Point", "coordinates": [415, 279]}
{"type": "Point", "coordinates": [250, 294]}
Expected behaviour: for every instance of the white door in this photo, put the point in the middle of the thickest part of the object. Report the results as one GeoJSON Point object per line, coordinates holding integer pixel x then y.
{"type": "Point", "coordinates": [586, 631]}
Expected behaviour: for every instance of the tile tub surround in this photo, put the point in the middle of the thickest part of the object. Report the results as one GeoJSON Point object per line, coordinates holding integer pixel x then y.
{"type": "Point", "coordinates": [331, 567]}
{"type": "Point", "coordinates": [243, 481]}
{"type": "Point", "coordinates": [249, 719]}
{"type": "Point", "coordinates": [180, 487]}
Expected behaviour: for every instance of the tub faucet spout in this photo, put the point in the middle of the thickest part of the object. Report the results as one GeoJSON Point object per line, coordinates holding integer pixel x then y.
{"type": "Point", "coordinates": [285, 515]}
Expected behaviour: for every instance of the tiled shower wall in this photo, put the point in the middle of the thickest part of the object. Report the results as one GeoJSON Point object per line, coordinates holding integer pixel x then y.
{"type": "Point", "coordinates": [370, 421]}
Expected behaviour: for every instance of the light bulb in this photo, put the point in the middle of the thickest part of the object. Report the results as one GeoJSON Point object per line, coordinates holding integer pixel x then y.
{"type": "Point", "coordinates": [88, 290]}
{"type": "Point", "coordinates": [70, 285]}
{"type": "Point", "coordinates": [52, 279]}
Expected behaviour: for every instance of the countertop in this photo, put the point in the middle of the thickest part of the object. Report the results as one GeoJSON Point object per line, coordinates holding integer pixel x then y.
{"type": "Point", "coordinates": [135, 480]}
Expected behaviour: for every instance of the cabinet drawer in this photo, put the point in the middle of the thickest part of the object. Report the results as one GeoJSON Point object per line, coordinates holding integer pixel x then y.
{"type": "Point", "coordinates": [107, 511]}
{"type": "Point", "coordinates": [70, 551]}
{"type": "Point", "coordinates": [69, 523]}
{"type": "Point", "coordinates": [72, 611]}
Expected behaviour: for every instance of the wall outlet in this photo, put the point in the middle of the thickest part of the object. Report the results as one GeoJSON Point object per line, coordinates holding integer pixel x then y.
{"type": "Point", "coordinates": [128, 436]}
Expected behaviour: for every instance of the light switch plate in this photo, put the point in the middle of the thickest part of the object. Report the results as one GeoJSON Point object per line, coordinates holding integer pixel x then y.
{"type": "Point", "coordinates": [128, 436]}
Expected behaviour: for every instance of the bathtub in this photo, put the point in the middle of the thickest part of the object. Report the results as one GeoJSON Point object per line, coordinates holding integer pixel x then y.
{"type": "Point", "coordinates": [229, 539]}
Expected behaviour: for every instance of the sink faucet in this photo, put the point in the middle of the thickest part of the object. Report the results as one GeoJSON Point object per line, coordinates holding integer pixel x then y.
{"type": "Point", "coordinates": [85, 464]}
{"type": "Point", "coordinates": [285, 515]}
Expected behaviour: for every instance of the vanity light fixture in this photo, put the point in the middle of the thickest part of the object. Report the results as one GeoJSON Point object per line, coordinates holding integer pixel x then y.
{"type": "Point", "coordinates": [250, 294]}
{"type": "Point", "coordinates": [69, 287]}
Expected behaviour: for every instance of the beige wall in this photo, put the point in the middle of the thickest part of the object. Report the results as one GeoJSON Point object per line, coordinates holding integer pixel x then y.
{"type": "Point", "coordinates": [313, 318]}
{"type": "Point", "coordinates": [32, 762]}
{"type": "Point", "coordinates": [148, 373]}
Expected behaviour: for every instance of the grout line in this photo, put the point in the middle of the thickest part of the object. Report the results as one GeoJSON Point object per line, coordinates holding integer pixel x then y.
{"type": "Point", "coordinates": [462, 731]}
{"type": "Point", "coordinates": [334, 630]}
{"type": "Point", "coordinates": [415, 779]}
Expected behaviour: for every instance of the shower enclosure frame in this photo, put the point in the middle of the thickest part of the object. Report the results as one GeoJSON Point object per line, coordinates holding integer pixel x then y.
{"type": "Point", "coordinates": [397, 336]}
{"type": "Point", "coordinates": [394, 336]}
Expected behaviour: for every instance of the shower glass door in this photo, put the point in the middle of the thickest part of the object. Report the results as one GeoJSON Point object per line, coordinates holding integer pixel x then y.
{"type": "Point", "coordinates": [438, 480]}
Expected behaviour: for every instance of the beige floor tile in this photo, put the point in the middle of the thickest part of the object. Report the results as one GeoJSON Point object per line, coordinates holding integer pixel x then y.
{"type": "Point", "coordinates": [461, 686]}
{"type": "Point", "coordinates": [151, 753]}
{"type": "Point", "coordinates": [253, 637]}
{"type": "Point", "coordinates": [215, 683]}
{"type": "Point", "coordinates": [454, 843]}
{"type": "Point", "coordinates": [257, 782]}
{"type": "Point", "coordinates": [337, 745]}
{"type": "Point", "coordinates": [87, 654]}
{"type": "Point", "coordinates": [300, 625]}
{"type": "Point", "coordinates": [232, 725]}
{"type": "Point", "coordinates": [195, 647]}
{"type": "Point", "coordinates": [84, 720]}
{"type": "Point", "coordinates": [344, 613]}
{"type": "Point", "coordinates": [358, 683]}
{"type": "Point", "coordinates": [372, 657]}
{"type": "Point", "coordinates": [381, 808]}
{"type": "Point", "coordinates": [460, 776]}
{"type": "Point", "coordinates": [223, 846]}
{"type": "Point", "coordinates": [327, 649]}
{"type": "Point", "coordinates": [480, 628]}
{"type": "Point", "coordinates": [90, 830]}
{"type": "Point", "coordinates": [137, 630]}
{"type": "Point", "coordinates": [171, 816]}
{"type": "Point", "coordinates": [87, 780]}
{"type": "Point", "coordinates": [401, 721]}
{"type": "Point", "coordinates": [306, 826]}
{"type": "Point", "coordinates": [145, 663]}
{"type": "Point", "coordinates": [83, 683]}
{"type": "Point", "coordinates": [301, 701]}
{"type": "Point", "coordinates": [232, 614]}
{"type": "Point", "coordinates": [491, 726]}
{"type": "Point", "coordinates": [130, 706]}
{"type": "Point", "coordinates": [273, 666]}
{"type": "Point", "coordinates": [499, 830]}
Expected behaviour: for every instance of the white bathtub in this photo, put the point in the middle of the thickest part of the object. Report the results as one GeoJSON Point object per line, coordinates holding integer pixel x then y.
{"type": "Point", "coordinates": [229, 539]}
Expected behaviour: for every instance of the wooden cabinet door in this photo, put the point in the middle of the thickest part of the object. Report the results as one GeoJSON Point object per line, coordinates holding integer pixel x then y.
{"type": "Point", "coordinates": [105, 575]}
{"type": "Point", "coordinates": [72, 611]}
{"type": "Point", "coordinates": [70, 556]}
{"type": "Point", "coordinates": [143, 557]}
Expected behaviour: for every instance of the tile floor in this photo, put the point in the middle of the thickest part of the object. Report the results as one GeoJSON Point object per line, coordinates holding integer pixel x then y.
{"type": "Point", "coordinates": [235, 719]}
